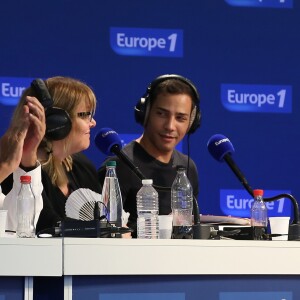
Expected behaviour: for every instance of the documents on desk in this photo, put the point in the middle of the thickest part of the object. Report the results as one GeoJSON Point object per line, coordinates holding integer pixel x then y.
{"type": "Point", "coordinates": [224, 220]}
{"type": "Point", "coordinates": [227, 227]}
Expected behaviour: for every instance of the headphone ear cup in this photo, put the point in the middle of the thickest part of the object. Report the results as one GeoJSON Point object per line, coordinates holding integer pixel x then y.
{"type": "Point", "coordinates": [58, 123]}
{"type": "Point", "coordinates": [140, 111]}
{"type": "Point", "coordinates": [196, 122]}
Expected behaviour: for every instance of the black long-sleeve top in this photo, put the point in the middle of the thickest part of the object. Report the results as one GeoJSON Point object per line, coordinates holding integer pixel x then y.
{"type": "Point", "coordinates": [82, 175]}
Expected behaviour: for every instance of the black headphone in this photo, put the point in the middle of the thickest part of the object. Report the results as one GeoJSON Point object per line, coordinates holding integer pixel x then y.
{"type": "Point", "coordinates": [58, 121]}
{"type": "Point", "coordinates": [141, 109]}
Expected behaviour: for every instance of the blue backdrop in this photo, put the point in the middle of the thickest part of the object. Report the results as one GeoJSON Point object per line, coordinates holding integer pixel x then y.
{"type": "Point", "coordinates": [243, 55]}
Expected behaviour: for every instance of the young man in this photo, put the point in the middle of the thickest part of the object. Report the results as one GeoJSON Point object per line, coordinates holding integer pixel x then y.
{"type": "Point", "coordinates": [168, 111]}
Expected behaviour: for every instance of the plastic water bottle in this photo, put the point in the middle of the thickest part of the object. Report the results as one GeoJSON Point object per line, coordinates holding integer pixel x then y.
{"type": "Point", "coordinates": [259, 216]}
{"type": "Point", "coordinates": [111, 196]}
{"type": "Point", "coordinates": [147, 210]}
{"type": "Point", "coordinates": [25, 209]}
{"type": "Point", "coordinates": [182, 206]}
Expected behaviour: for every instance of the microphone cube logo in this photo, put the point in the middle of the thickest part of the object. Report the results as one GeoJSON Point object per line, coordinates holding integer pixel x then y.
{"type": "Point", "coordinates": [12, 89]}
{"type": "Point", "coordinates": [238, 203]}
{"type": "Point", "coordinates": [147, 42]}
{"type": "Point", "coordinates": [262, 3]}
{"type": "Point", "coordinates": [257, 98]}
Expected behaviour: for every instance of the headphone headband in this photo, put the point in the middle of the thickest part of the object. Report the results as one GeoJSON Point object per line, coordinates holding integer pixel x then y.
{"type": "Point", "coordinates": [42, 92]}
{"type": "Point", "coordinates": [152, 86]}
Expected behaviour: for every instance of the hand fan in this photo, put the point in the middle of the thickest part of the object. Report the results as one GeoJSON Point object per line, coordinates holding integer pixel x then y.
{"type": "Point", "coordinates": [80, 204]}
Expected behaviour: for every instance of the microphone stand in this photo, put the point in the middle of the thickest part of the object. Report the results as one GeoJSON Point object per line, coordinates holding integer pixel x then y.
{"type": "Point", "coordinates": [200, 231]}
{"type": "Point", "coordinates": [294, 228]}
{"type": "Point", "coordinates": [234, 168]}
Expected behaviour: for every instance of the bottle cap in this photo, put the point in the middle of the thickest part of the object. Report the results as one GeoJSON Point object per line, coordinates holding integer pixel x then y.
{"type": "Point", "coordinates": [258, 193]}
{"type": "Point", "coordinates": [25, 179]}
{"type": "Point", "coordinates": [111, 163]}
{"type": "Point", "coordinates": [147, 181]}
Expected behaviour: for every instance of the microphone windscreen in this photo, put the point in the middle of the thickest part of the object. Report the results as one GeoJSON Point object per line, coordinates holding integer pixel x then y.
{"type": "Point", "coordinates": [218, 146]}
{"type": "Point", "coordinates": [105, 139]}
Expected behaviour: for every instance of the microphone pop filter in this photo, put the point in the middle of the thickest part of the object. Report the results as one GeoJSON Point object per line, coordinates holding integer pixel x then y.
{"type": "Point", "coordinates": [106, 139]}
{"type": "Point", "coordinates": [218, 146]}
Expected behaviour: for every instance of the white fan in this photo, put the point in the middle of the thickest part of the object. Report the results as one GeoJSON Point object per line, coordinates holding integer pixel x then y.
{"type": "Point", "coordinates": [81, 204]}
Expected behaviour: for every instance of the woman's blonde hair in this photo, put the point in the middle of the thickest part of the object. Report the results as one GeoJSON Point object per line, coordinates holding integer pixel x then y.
{"type": "Point", "coordinates": [66, 93]}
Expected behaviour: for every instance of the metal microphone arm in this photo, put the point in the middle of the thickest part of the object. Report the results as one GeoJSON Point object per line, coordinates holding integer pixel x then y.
{"type": "Point", "coordinates": [238, 173]}
{"type": "Point", "coordinates": [117, 151]}
{"type": "Point", "coordinates": [294, 228]}
{"type": "Point", "coordinates": [294, 201]}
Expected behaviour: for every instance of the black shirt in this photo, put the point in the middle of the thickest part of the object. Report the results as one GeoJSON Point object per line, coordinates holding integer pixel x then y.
{"type": "Point", "coordinates": [162, 174]}
{"type": "Point", "coordinates": [83, 175]}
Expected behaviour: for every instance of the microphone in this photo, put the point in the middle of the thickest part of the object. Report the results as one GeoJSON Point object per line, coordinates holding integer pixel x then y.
{"type": "Point", "coordinates": [221, 149]}
{"type": "Point", "coordinates": [109, 143]}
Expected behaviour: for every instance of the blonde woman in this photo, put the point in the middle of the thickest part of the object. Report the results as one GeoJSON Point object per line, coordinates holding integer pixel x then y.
{"type": "Point", "coordinates": [69, 107]}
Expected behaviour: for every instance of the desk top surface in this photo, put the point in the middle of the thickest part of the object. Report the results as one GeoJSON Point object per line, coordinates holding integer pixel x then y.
{"type": "Point", "coordinates": [92, 256]}
{"type": "Point", "coordinates": [30, 257]}
{"type": "Point", "coordinates": [150, 257]}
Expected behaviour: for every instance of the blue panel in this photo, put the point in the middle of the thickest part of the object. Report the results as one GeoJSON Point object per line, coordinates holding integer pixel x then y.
{"type": "Point", "coordinates": [189, 287]}
{"type": "Point", "coordinates": [256, 296]}
{"type": "Point", "coordinates": [144, 296]}
{"type": "Point", "coordinates": [11, 288]}
{"type": "Point", "coordinates": [262, 3]}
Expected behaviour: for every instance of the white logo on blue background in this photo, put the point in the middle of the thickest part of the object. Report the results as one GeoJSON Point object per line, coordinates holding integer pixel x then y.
{"type": "Point", "coordinates": [257, 98]}
{"type": "Point", "coordinates": [147, 42]}
{"type": "Point", "coordinates": [262, 3]}
{"type": "Point", "coordinates": [238, 203]}
{"type": "Point", "coordinates": [12, 89]}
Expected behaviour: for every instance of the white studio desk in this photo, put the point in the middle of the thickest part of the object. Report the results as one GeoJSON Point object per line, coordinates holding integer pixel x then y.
{"type": "Point", "coordinates": [30, 257]}
{"type": "Point", "coordinates": [27, 258]}
{"type": "Point", "coordinates": [180, 269]}
{"type": "Point", "coordinates": [165, 257]}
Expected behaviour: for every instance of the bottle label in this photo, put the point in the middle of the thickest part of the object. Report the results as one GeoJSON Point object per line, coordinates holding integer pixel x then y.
{"type": "Point", "coordinates": [147, 226]}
